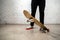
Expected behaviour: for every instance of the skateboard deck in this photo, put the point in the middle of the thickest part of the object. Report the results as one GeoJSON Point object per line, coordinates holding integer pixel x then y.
{"type": "Point", "coordinates": [28, 16]}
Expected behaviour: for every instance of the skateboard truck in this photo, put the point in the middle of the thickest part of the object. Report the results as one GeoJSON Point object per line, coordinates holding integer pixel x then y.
{"type": "Point", "coordinates": [30, 20]}
{"type": "Point", "coordinates": [44, 29]}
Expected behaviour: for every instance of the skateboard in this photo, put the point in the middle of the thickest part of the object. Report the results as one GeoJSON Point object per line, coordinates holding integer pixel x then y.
{"type": "Point", "coordinates": [30, 17]}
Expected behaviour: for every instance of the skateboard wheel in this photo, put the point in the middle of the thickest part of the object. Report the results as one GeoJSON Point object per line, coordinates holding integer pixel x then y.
{"type": "Point", "coordinates": [28, 21]}
{"type": "Point", "coordinates": [43, 31]}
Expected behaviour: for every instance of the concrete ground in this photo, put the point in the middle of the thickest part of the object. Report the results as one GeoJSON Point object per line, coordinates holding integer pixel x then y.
{"type": "Point", "coordinates": [19, 32]}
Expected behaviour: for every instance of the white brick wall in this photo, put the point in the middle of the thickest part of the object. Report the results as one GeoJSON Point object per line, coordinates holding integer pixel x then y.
{"type": "Point", "coordinates": [11, 11]}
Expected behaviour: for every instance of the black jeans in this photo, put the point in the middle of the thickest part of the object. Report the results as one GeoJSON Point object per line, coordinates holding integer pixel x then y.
{"type": "Point", "coordinates": [41, 4]}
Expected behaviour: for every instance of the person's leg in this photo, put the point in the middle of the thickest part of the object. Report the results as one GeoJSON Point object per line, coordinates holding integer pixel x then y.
{"type": "Point", "coordinates": [33, 11]}
{"type": "Point", "coordinates": [41, 10]}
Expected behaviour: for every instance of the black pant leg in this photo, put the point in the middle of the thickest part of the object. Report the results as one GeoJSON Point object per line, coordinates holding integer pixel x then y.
{"type": "Point", "coordinates": [33, 10]}
{"type": "Point", "coordinates": [41, 10]}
